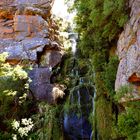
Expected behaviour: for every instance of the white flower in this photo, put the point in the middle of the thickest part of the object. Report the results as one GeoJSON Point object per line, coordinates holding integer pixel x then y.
{"type": "Point", "coordinates": [24, 129]}
{"type": "Point", "coordinates": [14, 136]}
{"type": "Point", "coordinates": [30, 121]}
{"type": "Point", "coordinates": [27, 121]}
{"type": "Point", "coordinates": [29, 80]}
{"type": "Point", "coordinates": [22, 132]}
{"type": "Point", "coordinates": [24, 121]}
{"type": "Point", "coordinates": [26, 86]}
{"type": "Point", "coordinates": [15, 124]}
{"type": "Point", "coordinates": [12, 93]}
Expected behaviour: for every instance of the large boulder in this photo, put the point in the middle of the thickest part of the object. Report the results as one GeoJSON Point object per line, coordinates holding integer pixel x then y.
{"type": "Point", "coordinates": [41, 87]}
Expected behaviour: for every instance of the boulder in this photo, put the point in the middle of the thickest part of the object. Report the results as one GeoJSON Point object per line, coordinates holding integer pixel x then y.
{"type": "Point", "coordinates": [51, 58]}
{"type": "Point", "coordinates": [41, 88]}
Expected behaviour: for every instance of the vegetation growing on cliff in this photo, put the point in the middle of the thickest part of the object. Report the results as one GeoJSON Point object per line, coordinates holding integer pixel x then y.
{"type": "Point", "coordinates": [99, 23]}
{"type": "Point", "coordinates": [129, 121]}
{"type": "Point", "coordinates": [14, 84]}
{"type": "Point", "coordinates": [21, 116]}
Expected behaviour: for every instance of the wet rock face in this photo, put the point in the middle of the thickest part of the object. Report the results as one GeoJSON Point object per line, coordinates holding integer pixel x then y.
{"type": "Point", "coordinates": [128, 50]}
{"type": "Point", "coordinates": [28, 33]}
{"type": "Point", "coordinates": [76, 123]}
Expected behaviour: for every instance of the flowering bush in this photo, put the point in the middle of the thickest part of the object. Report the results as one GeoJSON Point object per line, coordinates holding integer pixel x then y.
{"type": "Point", "coordinates": [14, 87]}
{"type": "Point", "coordinates": [13, 80]}
{"type": "Point", "coordinates": [22, 128]}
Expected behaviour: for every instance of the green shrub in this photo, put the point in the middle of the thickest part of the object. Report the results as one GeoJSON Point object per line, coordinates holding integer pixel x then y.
{"type": "Point", "coordinates": [47, 122]}
{"type": "Point", "coordinates": [110, 75]}
{"type": "Point", "coordinates": [104, 118]}
{"type": "Point", "coordinates": [14, 83]}
{"type": "Point", "coordinates": [123, 92]}
{"type": "Point", "coordinates": [129, 121]}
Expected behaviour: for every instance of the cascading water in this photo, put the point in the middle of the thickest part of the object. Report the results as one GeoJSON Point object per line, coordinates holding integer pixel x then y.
{"type": "Point", "coordinates": [81, 100]}
{"type": "Point", "coordinates": [93, 134]}
{"type": "Point", "coordinates": [79, 106]}
{"type": "Point", "coordinates": [76, 124]}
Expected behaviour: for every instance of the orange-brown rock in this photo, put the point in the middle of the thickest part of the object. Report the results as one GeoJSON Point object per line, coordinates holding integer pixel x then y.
{"type": "Point", "coordinates": [134, 78]}
{"type": "Point", "coordinates": [128, 50]}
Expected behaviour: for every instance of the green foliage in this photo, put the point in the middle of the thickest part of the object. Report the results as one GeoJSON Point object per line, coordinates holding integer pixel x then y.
{"type": "Point", "coordinates": [63, 72]}
{"type": "Point", "coordinates": [99, 23]}
{"type": "Point", "coordinates": [124, 92]}
{"type": "Point", "coordinates": [5, 136]}
{"type": "Point", "coordinates": [98, 61]}
{"type": "Point", "coordinates": [109, 16]}
{"type": "Point", "coordinates": [129, 121]}
{"type": "Point", "coordinates": [110, 75]}
{"type": "Point", "coordinates": [99, 84]}
{"type": "Point", "coordinates": [104, 118]}
{"type": "Point", "coordinates": [47, 123]}
{"type": "Point", "coordinates": [13, 80]}
{"type": "Point", "coordinates": [14, 83]}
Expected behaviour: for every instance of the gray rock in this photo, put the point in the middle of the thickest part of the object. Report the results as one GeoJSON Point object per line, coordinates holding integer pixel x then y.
{"type": "Point", "coordinates": [51, 58]}
{"type": "Point", "coordinates": [40, 76]}
{"type": "Point", "coordinates": [25, 50]}
{"type": "Point", "coordinates": [41, 88]}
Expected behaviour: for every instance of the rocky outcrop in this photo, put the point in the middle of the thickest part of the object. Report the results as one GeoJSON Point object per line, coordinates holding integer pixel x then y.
{"type": "Point", "coordinates": [29, 34]}
{"type": "Point", "coordinates": [128, 50]}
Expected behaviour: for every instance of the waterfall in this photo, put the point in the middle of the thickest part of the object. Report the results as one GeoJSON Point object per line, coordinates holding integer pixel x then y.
{"type": "Point", "coordinates": [79, 104]}
{"type": "Point", "coordinates": [76, 124]}
{"type": "Point", "coordinates": [81, 80]}
{"type": "Point", "coordinates": [73, 39]}
{"type": "Point", "coordinates": [76, 127]}
{"type": "Point", "coordinates": [93, 102]}
{"type": "Point", "coordinates": [74, 44]}
{"type": "Point", "coordinates": [94, 133]}
{"type": "Point", "coordinates": [66, 126]}
{"type": "Point", "coordinates": [93, 112]}
{"type": "Point", "coordinates": [91, 136]}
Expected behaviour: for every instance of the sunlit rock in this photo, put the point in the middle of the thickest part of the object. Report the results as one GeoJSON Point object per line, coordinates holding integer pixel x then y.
{"type": "Point", "coordinates": [128, 51]}
{"type": "Point", "coordinates": [28, 33]}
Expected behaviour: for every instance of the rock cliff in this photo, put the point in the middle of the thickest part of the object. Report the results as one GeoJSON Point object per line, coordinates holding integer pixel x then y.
{"type": "Point", "coordinates": [128, 50]}
{"type": "Point", "coordinates": [29, 35]}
